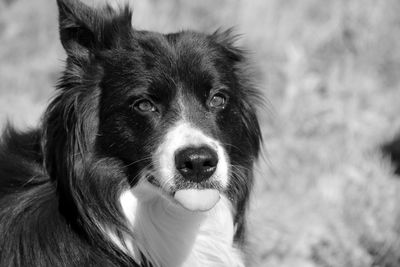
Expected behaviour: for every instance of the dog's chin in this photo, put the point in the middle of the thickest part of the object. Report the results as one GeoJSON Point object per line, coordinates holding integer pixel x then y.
{"type": "Point", "coordinates": [191, 198]}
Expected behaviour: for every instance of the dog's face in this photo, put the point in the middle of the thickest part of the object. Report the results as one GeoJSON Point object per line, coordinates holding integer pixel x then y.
{"type": "Point", "coordinates": [171, 110]}
{"type": "Point", "coordinates": [175, 109]}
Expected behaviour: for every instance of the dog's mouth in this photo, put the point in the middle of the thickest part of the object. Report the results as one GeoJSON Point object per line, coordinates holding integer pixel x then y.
{"type": "Point", "coordinates": [198, 197]}
{"type": "Point", "coordinates": [153, 181]}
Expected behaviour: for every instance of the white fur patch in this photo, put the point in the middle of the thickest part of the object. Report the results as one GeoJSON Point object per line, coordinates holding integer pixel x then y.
{"type": "Point", "coordinates": [214, 243]}
{"type": "Point", "coordinates": [170, 236]}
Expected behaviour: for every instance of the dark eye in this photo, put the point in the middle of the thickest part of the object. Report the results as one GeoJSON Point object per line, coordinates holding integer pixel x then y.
{"type": "Point", "coordinates": [218, 101]}
{"type": "Point", "coordinates": [144, 105]}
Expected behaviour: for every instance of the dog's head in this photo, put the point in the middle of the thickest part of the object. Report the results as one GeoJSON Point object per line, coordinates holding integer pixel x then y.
{"type": "Point", "coordinates": [171, 110]}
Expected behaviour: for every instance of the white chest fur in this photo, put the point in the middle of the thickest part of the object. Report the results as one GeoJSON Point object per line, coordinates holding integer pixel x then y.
{"type": "Point", "coordinates": [170, 236]}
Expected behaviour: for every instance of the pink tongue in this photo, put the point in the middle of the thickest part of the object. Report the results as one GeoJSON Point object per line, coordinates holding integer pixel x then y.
{"type": "Point", "coordinates": [197, 199]}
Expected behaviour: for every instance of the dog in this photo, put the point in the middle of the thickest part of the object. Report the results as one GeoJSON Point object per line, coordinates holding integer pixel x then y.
{"type": "Point", "coordinates": [144, 157]}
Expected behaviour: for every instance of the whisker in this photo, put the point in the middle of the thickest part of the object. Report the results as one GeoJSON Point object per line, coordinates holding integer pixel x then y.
{"type": "Point", "coordinates": [137, 161]}
{"type": "Point", "coordinates": [166, 182]}
{"type": "Point", "coordinates": [142, 172]}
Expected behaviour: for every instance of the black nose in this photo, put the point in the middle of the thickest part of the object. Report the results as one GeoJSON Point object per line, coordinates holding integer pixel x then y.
{"type": "Point", "coordinates": [196, 163]}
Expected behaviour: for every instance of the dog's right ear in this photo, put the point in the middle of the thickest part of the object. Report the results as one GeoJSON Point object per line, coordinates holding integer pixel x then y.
{"type": "Point", "coordinates": [77, 24]}
{"type": "Point", "coordinates": [84, 29]}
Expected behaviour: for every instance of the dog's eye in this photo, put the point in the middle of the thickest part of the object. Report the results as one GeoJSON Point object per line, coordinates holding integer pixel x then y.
{"type": "Point", "coordinates": [145, 105]}
{"type": "Point", "coordinates": [218, 101]}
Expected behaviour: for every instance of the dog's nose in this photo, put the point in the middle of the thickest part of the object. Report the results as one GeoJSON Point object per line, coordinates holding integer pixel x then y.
{"type": "Point", "coordinates": [196, 163]}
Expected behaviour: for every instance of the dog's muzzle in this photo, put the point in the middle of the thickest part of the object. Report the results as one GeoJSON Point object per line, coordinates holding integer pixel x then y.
{"type": "Point", "coordinates": [192, 167]}
{"type": "Point", "coordinates": [197, 164]}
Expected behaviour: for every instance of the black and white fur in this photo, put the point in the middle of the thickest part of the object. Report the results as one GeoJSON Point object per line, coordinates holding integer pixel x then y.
{"type": "Point", "coordinates": [112, 175]}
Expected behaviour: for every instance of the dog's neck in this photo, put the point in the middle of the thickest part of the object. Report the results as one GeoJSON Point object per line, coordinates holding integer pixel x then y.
{"type": "Point", "coordinates": [170, 236]}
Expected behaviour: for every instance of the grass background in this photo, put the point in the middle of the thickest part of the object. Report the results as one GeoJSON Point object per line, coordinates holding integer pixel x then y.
{"type": "Point", "coordinates": [324, 195]}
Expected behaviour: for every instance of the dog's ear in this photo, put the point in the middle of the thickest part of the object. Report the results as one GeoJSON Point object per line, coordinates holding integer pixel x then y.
{"type": "Point", "coordinates": [227, 40]}
{"type": "Point", "coordinates": [84, 29]}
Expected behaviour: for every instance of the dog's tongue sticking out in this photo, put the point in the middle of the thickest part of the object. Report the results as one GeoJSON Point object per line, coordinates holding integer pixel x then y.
{"type": "Point", "coordinates": [197, 199]}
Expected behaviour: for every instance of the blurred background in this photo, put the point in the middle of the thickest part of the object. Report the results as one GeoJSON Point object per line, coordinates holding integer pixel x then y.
{"type": "Point", "coordinates": [324, 196]}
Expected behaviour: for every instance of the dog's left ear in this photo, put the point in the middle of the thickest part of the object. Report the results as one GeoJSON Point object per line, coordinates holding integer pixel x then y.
{"type": "Point", "coordinates": [84, 29]}
{"type": "Point", "coordinates": [227, 40]}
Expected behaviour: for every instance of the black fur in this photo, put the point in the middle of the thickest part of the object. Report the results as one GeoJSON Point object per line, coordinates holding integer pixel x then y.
{"type": "Point", "coordinates": [59, 181]}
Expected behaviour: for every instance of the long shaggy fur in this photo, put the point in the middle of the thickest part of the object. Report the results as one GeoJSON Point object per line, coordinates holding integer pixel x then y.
{"type": "Point", "coordinates": [60, 184]}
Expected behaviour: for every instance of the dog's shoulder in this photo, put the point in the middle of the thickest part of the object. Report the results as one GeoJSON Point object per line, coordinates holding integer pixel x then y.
{"type": "Point", "coordinates": [33, 232]}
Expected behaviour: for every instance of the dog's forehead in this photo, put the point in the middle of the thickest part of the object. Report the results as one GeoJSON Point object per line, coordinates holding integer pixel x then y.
{"type": "Point", "coordinates": [190, 54]}
{"type": "Point", "coordinates": [164, 64]}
